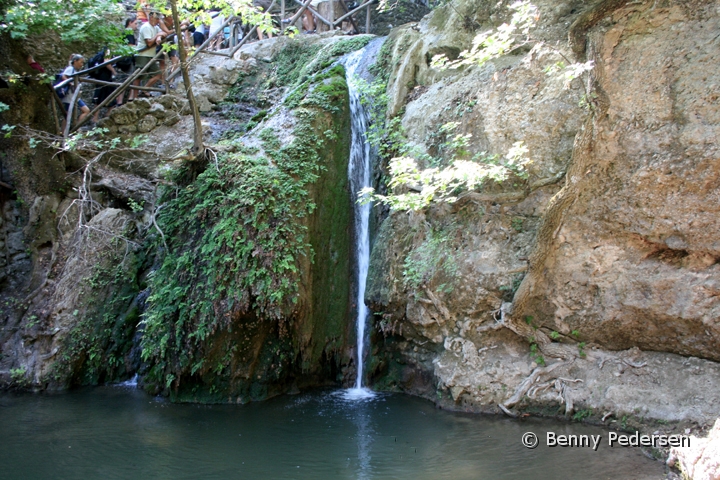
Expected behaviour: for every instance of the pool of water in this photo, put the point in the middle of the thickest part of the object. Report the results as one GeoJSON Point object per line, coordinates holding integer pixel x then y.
{"type": "Point", "coordinates": [116, 432]}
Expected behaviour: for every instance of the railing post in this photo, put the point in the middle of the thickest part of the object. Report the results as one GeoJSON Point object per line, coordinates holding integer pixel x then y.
{"type": "Point", "coordinates": [367, 19]}
{"type": "Point", "coordinates": [282, 17]}
{"type": "Point", "coordinates": [71, 110]}
{"type": "Point", "coordinates": [55, 116]}
{"type": "Point", "coordinates": [76, 82]}
{"type": "Point", "coordinates": [168, 62]}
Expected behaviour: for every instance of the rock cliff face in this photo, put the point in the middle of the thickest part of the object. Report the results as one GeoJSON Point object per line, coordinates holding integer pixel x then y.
{"type": "Point", "coordinates": [594, 284]}
{"type": "Point", "coordinates": [92, 233]}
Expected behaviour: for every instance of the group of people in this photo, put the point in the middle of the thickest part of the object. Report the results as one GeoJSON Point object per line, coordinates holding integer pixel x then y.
{"type": "Point", "coordinates": [152, 29]}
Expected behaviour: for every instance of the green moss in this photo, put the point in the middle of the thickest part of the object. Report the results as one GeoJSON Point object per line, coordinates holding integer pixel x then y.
{"type": "Point", "coordinates": [432, 262]}
{"type": "Point", "coordinates": [258, 117]}
{"type": "Point", "coordinates": [239, 266]}
{"type": "Point", "coordinates": [297, 62]}
{"type": "Point", "coordinates": [349, 45]}
{"type": "Point", "coordinates": [291, 60]}
{"type": "Point", "coordinates": [382, 67]}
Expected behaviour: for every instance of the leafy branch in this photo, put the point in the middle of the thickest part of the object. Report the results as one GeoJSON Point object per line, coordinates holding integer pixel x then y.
{"type": "Point", "coordinates": [511, 36]}
{"type": "Point", "coordinates": [413, 188]}
{"type": "Point", "coordinates": [76, 20]}
{"type": "Point", "coordinates": [442, 185]}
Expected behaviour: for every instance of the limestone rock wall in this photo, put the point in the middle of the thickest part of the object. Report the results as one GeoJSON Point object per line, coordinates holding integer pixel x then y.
{"type": "Point", "coordinates": [609, 248]}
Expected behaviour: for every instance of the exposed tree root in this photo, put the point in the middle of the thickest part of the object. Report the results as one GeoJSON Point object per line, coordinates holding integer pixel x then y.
{"type": "Point", "coordinates": [442, 309]}
{"type": "Point", "coordinates": [528, 382]}
{"type": "Point", "coordinates": [528, 387]}
{"type": "Point", "coordinates": [153, 220]}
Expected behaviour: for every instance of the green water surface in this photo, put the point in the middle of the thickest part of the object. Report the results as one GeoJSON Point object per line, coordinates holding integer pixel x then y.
{"type": "Point", "coordinates": [120, 432]}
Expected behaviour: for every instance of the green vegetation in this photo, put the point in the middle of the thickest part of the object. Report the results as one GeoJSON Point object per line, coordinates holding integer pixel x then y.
{"type": "Point", "coordinates": [413, 187]}
{"type": "Point", "coordinates": [76, 20]}
{"type": "Point", "coordinates": [236, 234]}
{"type": "Point", "coordinates": [581, 415]}
{"type": "Point", "coordinates": [417, 179]}
{"type": "Point", "coordinates": [297, 62]}
{"type": "Point", "coordinates": [101, 21]}
{"type": "Point", "coordinates": [536, 355]}
{"type": "Point", "coordinates": [18, 377]}
{"type": "Point", "coordinates": [291, 61]}
{"type": "Point", "coordinates": [238, 237]}
{"type": "Point", "coordinates": [432, 257]}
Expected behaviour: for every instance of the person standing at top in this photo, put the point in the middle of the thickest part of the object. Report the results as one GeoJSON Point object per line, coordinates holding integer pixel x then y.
{"type": "Point", "coordinates": [76, 64]}
{"type": "Point", "coordinates": [167, 25]}
{"type": "Point", "coordinates": [149, 37]}
{"type": "Point", "coordinates": [106, 74]}
{"type": "Point", "coordinates": [143, 9]}
{"type": "Point", "coordinates": [197, 37]}
{"type": "Point", "coordinates": [126, 65]}
{"type": "Point", "coordinates": [217, 22]}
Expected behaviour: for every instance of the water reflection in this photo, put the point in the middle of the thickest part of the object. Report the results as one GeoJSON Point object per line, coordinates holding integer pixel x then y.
{"type": "Point", "coordinates": [122, 433]}
{"type": "Point", "coordinates": [363, 439]}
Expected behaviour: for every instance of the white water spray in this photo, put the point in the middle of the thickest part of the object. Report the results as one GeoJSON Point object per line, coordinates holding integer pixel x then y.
{"type": "Point", "coordinates": [359, 176]}
{"type": "Point", "coordinates": [133, 382]}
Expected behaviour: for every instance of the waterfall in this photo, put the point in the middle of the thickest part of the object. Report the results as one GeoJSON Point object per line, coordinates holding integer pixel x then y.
{"type": "Point", "coordinates": [359, 168]}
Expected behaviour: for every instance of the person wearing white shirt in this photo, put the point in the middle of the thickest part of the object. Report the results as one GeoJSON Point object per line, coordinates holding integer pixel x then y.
{"type": "Point", "coordinates": [149, 36]}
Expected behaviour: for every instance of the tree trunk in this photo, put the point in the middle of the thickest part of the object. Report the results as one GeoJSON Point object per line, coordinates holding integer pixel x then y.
{"type": "Point", "coordinates": [198, 146]}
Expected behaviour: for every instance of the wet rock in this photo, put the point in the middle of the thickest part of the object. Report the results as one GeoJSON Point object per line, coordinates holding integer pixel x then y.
{"type": "Point", "coordinates": [248, 66]}
{"type": "Point", "coordinates": [623, 248]}
{"type": "Point", "coordinates": [19, 257]}
{"type": "Point", "coordinates": [169, 102]}
{"type": "Point", "coordinates": [225, 75]}
{"type": "Point", "coordinates": [202, 101]}
{"type": "Point", "coordinates": [123, 115]}
{"type": "Point", "coordinates": [158, 111]}
{"type": "Point", "coordinates": [41, 223]}
{"type": "Point", "coordinates": [127, 129]}
{"type": "Point", "coordinates": [15, 242]}
{"type": "Point", "coordinates": [147, 123]}
{"type": "Point", "coordinates": [125, 186]}
{"type": "Point", "coordinates": [171, 119]}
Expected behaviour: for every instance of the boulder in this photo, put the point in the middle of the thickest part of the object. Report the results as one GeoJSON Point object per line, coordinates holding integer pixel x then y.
{"type": "Point", "coordinates": [700, 460]}
{"type": "Point", "coordinates": [147, 123]}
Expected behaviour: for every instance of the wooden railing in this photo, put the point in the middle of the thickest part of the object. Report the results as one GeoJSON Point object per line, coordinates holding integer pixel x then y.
{"type": "Point", "coordinates": [81, 77]}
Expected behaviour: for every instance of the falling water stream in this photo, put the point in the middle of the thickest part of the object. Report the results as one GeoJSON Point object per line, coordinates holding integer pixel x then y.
{"type": "Point", "coordinates": [359, 167]}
